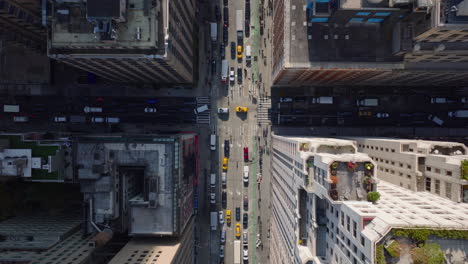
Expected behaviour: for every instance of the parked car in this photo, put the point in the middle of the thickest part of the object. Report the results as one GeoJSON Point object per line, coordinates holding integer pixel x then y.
{"type": "Point", "coordinates": [245, 220]}
{"type": "Point", "coordinates": [221, 251]}
{"type": "Point", "coordinates": [212, 197]}
{"type": "Point", "coordinates": [238, 214]}
{"type": "Point", "coordinates": [382, 115]}
{"type": "Point", "coordinates": [97, 119]}
{"type": "Point", "coordinates": [223, 180]}
{"type": "Point", "coordinates": [226, 16]}
{"type": "Point", "coordinates": [60, 119]}
{"type": "Point", "coordinates": [225, 164]}
{"type": "Point", "coordinates": [213, 66]}
{"type": "Point", "coordinates": [238, 230]}
{"type": "Point", "coordinates": [226, 148]}
{"type": "Point", "coordinates": [232, 76]}
{"type": "Point", "coordinates": [223, 236]}
{"type": "Point", "coordinates": [222, 51]}
{"type": "Point", "coordinates": [223, 110]}
{"type": "Point", "coordinates": [239, 52]}
{"type": "Point", "coordinates": [245, 238]}
{"type": "Point", "coordinates": [221, 218]}
{"type": "Point", "coordinates": [223, 199]}
{"type": "Point", "coordinates": [246, 154]}
{"type": "Point", "coordinates": [150, 110]}
{"type": "Point", "coordinates": [228, 217]}
{"type": "Point", "coordinates": [245, 254]}
{"type": "Point", "coordinates": [239, 75]}
{"type": "Point", "coordinates": [233, 50]}
{"type": "Point", "coordinates": [246, 203]}
{"type": "Point", "coordinates": [225, 34]}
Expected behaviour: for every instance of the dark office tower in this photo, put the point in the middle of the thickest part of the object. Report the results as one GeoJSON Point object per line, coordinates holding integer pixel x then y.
{"type": "Point", "coordinates": [370, 42]}
{"type": "Point", "coordinates": [21, 24]}
{"type": "Point", "coordinates": [132, 41]}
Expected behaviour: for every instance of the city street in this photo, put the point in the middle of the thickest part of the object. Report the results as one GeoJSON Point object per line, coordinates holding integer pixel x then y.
{"type": "Point", "coordinates": [241, 130]}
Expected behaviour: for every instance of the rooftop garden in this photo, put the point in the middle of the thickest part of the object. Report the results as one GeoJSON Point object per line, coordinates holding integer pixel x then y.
{"type": "Point", "coordinates": [420, 246]}
{"type": "Point", "coordinates": [37, 151]}
{"type": "Point", "coordinates": [464, 169]}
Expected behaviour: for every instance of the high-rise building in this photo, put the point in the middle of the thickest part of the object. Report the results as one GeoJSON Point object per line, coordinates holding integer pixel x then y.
{"type": "Point", "coordinates": [373, 42]}
{"type": "Point", "coordinates": [172, 250]}
{"type": "Point", "coordinates": [326, 209]}
{"type": "Point", "coordinates": [21, 24]}
{"type": "Point", "coordinates": [140, 185]}
{"type": "Point", "coordinates": [133, 41]}
{"type": "Point", "coordinates": [421, 165]}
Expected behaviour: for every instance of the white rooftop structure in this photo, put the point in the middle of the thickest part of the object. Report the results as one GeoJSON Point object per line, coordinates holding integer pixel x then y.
{"type": "Point", "coordinates": [15, 162]}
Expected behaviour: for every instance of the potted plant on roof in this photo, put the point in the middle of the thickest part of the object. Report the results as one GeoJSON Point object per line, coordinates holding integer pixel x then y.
{"type": "Point", "coordinates": [373, 197]}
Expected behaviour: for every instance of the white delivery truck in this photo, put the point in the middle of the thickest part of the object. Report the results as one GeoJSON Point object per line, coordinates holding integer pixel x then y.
{"type": "Point", "coordinates": [248, 54]}
{"type": "Point", "coordinates": [459, 113]}
{"type": "Point", "coordinates": [213, 180]}
{"type": "Point", "coordinates": [11, 108]}
{"type": "Point", "coordinates": [239, 26]}
{"type": "Point", "coordinates": [224, 71]}
{"type": "Point", "coordinates": [213, 142]}
{"type": "Point", "coordinates": [368, 102]}
{"type": "Point", "coordinates": [214, 220]}
{"type": "Point", "coordinates": [237, 252]}
{"type": "Point", "coordinates": [214, 32]}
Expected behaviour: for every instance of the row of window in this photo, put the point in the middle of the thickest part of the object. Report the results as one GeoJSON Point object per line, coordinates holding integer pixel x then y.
{"type": "Point", "coordinates": [436, 187]}
{"type": "Point", "coordinates": [376, 148]}
{"type": "Point", "coordinates": [438, 171]}
{"type": "Point", "coordinates": [393, 163]}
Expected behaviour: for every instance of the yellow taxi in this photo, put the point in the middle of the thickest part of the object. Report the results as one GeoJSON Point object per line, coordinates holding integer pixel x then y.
{"type": "Point", "coordinates": [228, 217]}
{"type": "Point", "coordinates": [239, 52]}
{"type": "Point", "coordinates": [225, 164]}
{"type": "Point", "coordinates": [242, 109]}
{"type": "Point", "coordinates": [237, 230]}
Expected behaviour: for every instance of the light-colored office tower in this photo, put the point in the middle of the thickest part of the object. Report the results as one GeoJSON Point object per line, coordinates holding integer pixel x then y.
{"type": "Point", "coordinates": [171, 250]}
{"type": "Point", "coordinates": [421, 165]}
{"type": "Point", "coordinates": [370, 42]}
{"type": "Point", "coordinates": [132, 41]}
{"type": "Point", "coordinates": [322, 211]}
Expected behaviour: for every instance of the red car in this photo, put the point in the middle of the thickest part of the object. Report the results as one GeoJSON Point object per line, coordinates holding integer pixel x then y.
{"type": "Point", "coordinates": [246, 154]}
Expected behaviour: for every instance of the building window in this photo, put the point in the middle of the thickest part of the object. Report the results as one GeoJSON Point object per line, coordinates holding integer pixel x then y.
{"type": "Point", "coordinates": [342, 218]}
{"type": "Point", "coordinates": [408, 176]}
{"type": "Point", "coordinates": [347, 223]}
{"type": "Point", "coordinates": [362, 241]}
{"type": "Point", "coordinates": [437, 170]}
{"type": "Point", "coordinates": [448, 190]}
{"type": "Point", "coordinates": [363, 258]}
{"type": "Point", "coordinates": [355, 249]}
{"type": "Point", "coordinates": [428, 184]}
{"type": "Point", "coordinates": [354, 228]}
{"type": "Point", "coordinates": [449, 173]}
{"type": "Point", "coordinates": [428, 168]}
{"type": "Point", "coordinates": [409, 166]}
{"type": "Point", "coordinates": [437, 186]}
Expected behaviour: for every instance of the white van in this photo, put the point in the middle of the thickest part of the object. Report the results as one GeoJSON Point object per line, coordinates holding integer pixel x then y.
{"type": "Point", "coordinates": [322, 100]}
{"type": "Point", "coordinates": [97, 119]}
{"type": "Point", "coordinates": [223, 179]}
{"type": "Point", "coordinates": [248, 54]}
{"type": "Point", "coordinates": [213, 142]}
{"type": "Point", "coordinates": [112, 119]}
{"type": "Point", "coordinates": [367, 102]}
{"type": "Point", "coordinates": [213, 180]}
{"type": "Point", "coordinates": [200, 109]}
{"type": "Point", "coordinates": [60, 119]}
{"type": "Point", "coordinates": [246, 174]}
